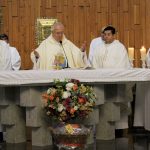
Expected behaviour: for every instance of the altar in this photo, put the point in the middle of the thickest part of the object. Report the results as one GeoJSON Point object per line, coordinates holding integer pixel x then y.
{"type": "Point", "coordinates": [21, 100]}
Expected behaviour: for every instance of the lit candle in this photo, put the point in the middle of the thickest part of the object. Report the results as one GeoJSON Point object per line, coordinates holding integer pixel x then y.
{"type": "Point", "coordinates": [131, 53]}
{"type": "Point", "coordinates": [143, 52]}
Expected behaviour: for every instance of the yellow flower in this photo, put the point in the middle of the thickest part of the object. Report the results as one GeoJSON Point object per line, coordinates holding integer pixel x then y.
{"type": "Point", "coordinates": [63, 114]}
{"type": "Point", "coordinates": [83, 108]}
{"type": "Point", "coordinates": [69, 129]}
{"type": "Point", "coordinates": [82, 89]}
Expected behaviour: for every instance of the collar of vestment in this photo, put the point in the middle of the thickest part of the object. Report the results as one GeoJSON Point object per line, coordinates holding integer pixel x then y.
{"type": "Point", "coordinates": [53, 41]}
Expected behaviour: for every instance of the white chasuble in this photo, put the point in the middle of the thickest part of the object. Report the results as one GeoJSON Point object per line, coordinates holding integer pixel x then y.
{"type": "Point", "coordinates": [5, 56]}
{"type": "Point", "coordinates": [50, 48]}
{"type": "Point", "coordinates": [112, 55]}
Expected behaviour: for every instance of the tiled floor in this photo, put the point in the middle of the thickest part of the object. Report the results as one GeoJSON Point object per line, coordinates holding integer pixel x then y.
{"type": "Point", "coordinates": [118, 144]}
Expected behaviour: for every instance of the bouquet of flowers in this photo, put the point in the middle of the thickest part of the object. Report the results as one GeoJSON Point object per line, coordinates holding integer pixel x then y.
{"type": "Point", "coordinates": [69, 99]}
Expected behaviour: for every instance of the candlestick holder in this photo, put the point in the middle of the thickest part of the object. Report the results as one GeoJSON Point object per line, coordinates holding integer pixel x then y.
{"type": "Point", "coordinates": [131, 62]}
{"type": "Point", "coordinates": [143, 62]}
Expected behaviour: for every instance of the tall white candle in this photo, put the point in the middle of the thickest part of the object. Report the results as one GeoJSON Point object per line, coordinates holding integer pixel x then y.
{"type": "Point", "coordinates": [131, 53]}
{"type": "Point", "coordinates": [143, 52]}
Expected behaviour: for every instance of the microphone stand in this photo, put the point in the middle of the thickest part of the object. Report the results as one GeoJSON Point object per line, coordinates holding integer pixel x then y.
{"type": "Point", "coordinates": [64, 54]}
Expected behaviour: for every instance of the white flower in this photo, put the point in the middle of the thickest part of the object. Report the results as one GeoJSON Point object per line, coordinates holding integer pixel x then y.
{"type": "Point", "coordinates": [66, 94]}
{"type": "Point", "coordinates": [76, 107]}
{"type": "Point", "coordinates": [69, 86]}
{"type": "Point", "coordinates": [48, 113]}
{"type": "Point", "coordinates": [49, 91]}
{"type": "Point", "coordinates": [60, 107]}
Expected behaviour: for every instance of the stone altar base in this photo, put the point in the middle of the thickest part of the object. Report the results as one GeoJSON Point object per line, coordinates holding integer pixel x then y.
{"type": "Point", "coordinates": [21, 107]}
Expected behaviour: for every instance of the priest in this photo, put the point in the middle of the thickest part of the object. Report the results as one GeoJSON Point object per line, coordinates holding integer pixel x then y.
{"type": "Point", "coordinates": [5, 56]}
{"type": "Point", "coordinates": [5, 64]}
{"type": "Point", "coordinates": [15, 57]}
{"type": "Point", "coordinates": [110, 54]}
{"type": "Point", "coordinates": [148, 58]}
{"type": "Point", "coordinates": [57, 50]}
{"type": "Point", "coordinates": [141, 119]}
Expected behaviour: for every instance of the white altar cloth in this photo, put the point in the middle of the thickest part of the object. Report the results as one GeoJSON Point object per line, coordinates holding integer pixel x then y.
{"type": "Point", "coordinates": [25, 77]}
{"type": "Point", "coordinates": [29, 82]}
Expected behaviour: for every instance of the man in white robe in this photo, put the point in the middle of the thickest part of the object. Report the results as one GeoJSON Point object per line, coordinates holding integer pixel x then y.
{"type": "Point", "coordinates": [142, 101]}
{"type": "Point", "coordinates": [44, 57]}
{"type": "Point", "coordinates": [5, 56]}
{"type": "Point", "coordinates": [111, 54]}
{"type": "Point", "coordinates": [9, 60]}
{"type": "Point", "coordinates": [5, 64]}
{"type": "Point", "coordinates": [148, 58]}
{"type": "Point", "coordinates": [15, 57]}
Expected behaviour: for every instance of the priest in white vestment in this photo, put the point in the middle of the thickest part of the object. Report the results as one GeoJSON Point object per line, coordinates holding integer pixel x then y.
{"type": "Point", "coordinates": [142, 101]}
{"type": "Point", "coordinates": [45, 56]}
{"type": "Point", "coordinates": [5, 64]}
{"type": "Point", "coordinates": [148, 58]}
{"type": "Point", "coordinates": [15, 57]}
{"type": "Point", "coordinates": [5, 56]}
{"type": "Point", "coordinates": [111, 54]}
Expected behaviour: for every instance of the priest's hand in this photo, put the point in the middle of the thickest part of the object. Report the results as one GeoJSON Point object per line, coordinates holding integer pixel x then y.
{"type": "Point", "coordinates": [83, 46]}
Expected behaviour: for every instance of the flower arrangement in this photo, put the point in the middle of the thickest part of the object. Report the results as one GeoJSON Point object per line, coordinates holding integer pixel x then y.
{"type": "Point", "coordinates": [69, 99]}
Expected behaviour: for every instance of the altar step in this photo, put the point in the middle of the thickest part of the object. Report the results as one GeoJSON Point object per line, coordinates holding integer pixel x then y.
{"type": "Point", "coordinates": [118, 144]}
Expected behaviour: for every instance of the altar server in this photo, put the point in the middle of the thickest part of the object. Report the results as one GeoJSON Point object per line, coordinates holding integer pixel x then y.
{"type": "Point", "coordinates": [5, 64]}
{"type": "Point", "coordinates": [141, 119]}
{"type": "Point", "coordinates": [15, 57]}
{"type": "Point", "coordinates": [5, 56]}
{"type": "Point", "coordinates": [148, 58]}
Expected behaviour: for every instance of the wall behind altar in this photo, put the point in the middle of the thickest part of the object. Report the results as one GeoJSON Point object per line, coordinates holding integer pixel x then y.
{"type": "Point", "coordinates": [83, 20]}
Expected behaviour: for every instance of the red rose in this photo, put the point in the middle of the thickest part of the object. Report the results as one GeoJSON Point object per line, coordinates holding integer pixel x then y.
{"type": "Point", "coordinates": [81, 100]}
{"type": "Point", "coordinates": [51, 97]}
{"type": "Point", "coordinates": [75, 87]}
{"type": "Point", "coordinates": [72, 111]}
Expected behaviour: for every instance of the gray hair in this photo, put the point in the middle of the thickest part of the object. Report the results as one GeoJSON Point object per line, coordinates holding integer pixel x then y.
{"type": "Point", "coordinates": [56, 24]}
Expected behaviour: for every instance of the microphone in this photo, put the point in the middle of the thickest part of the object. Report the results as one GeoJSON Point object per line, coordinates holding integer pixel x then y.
{"type": "Point", "coordinates": [64, 54]}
